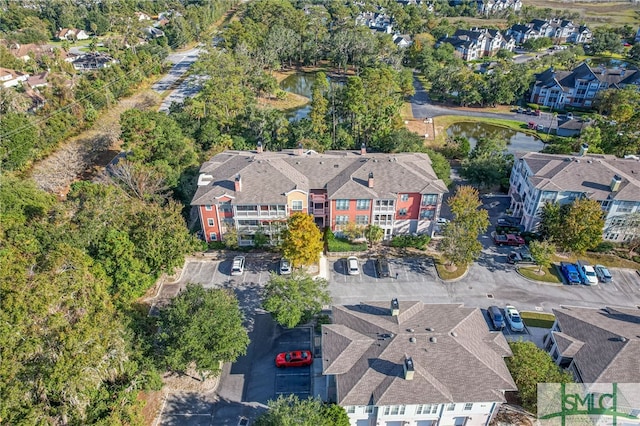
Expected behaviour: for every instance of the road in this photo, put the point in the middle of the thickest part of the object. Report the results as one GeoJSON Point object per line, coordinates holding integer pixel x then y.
{"type": "Point", "coordinates": [181, 61]}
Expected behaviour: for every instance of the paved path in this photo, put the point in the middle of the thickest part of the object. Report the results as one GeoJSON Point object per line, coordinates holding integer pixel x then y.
{"type": "Point", "coordinates": [181, 61]}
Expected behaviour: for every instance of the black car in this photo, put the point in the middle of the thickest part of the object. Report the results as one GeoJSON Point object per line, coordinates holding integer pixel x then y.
{"type": "Point", "coordinates": [382, 267]}
{"type": "Point", "coordinates": [520, 257]}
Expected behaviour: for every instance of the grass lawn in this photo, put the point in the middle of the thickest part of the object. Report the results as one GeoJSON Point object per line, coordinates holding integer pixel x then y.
{"type": "Point", "coordinates": [446, 275]}
{"type": "Point", "coordinates": [608, 260]}
{"type": "Point", "coordinates": [340, 245]}
{"type": "Point", "coordinates": [550, 275]}
{"type": "Point", "coordinates": [595, 13]}
{"type": "Point", "coordinates": [538, 319]}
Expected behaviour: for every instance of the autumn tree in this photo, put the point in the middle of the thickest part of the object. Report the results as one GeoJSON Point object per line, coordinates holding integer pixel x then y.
{"type": "Point", "coordinates": [296, 299]}
{"type": "Point", "coordinates": [292, 411]}
{"type": "Point", "coordinates": [460, 244]}
{"type": "Point", "coordinates": [542, 252]}
{"type": "Point", "coordinates": [373, 234]}
{"type": "Point", "coordinates": [301, 240]}
{"type": "Point", "coordinates": [202, 327]}
{"type": "Point", "coordinates": [529, 366]}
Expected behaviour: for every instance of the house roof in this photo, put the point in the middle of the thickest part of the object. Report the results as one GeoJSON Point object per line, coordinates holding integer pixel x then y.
{"type": "Point", "coordinates": [365, 348]}
{"type": "Point", "coordinates": [604, 342]}
{"type": "Point", "coordinates": [613, 77]}
{"type": "Point", "coordinates": [268, 176]}
{"type": "Point", "coordinates": [39, 79]}
{"type": "Point", "coordinates": [590, 174]}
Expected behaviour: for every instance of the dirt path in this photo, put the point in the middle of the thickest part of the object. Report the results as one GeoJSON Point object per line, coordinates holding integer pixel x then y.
{"type": "Point", "coordinates": [82, 156]}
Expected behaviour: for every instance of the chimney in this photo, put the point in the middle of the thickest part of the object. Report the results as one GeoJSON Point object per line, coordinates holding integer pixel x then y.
{"type": "Point", "coordinates": [408, 368]}
{"type": "Point", "coordinates": [299, 149]}
{"type": "Point", "coordinates": [259, 147]}
{"type": "Point", "coordinates": [363, 149]}
{"type": "Point", "coordinates": [615, 183]}
{"type": "Point", "coordinates": [238, 184]}
{"type": "Point", "coordinates": [370, 184]}
{"type": "Point", "coordinates": [395, 308]}
{"type": "Point", "coordinates": [584, 148]}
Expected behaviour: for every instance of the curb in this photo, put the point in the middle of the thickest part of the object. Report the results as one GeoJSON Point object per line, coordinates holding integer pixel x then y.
{"type": "Point", "coordinates": [538, 282]}
{"type": "Point", "coordinates": [453, 280]}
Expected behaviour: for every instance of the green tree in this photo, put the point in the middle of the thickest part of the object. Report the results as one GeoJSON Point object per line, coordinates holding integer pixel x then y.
{"type": "Point", "coordinates": [291, 411]}
{"type": "Point", "coordinates": [605, 40]}
{"type": "Point", "coordinates": [203, 328]}
{"type": "Point", "coordinates": [373, 234]}
{"type": "Point", "coordinates": [460, 243]}
{"type": "Point", "coordinates": [296, 299]}
{"type": "Point", "coordinates": [301, 240]}
{"type": "Point", "coordinates": [551, 225]}
{"type": "Point", "coordinates": [542, 252]}
{"type": "Point", "coordinates": [575, 227]}
{"type": "Point", "coordinates": [488, 164]}
{"type": "Point", "coordinates": [529, 366]}
{"type": "Point", "coordinates": [319, 104]}
{"type": "Point", "coordinates": [18, 139]}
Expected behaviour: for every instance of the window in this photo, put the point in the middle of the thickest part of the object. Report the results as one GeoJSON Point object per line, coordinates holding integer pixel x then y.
{"type": "Point", "coordinates": [342, 220]}
{"type": "Point", "coordinates": [342, 204]}
{"type": "Point", "coordinates": [384, 203]}
{"type": "Point", "coordinates": [363, 204]}
{"type": "Point", "coordinates": [402, 212]}
{"type": "Point", "coordinates": [213, 236]}
{"type": "Point", "coordinates": [362, 220]}
{"type": "Point", "coordinates": [208, 207]}
{"type": "Point", "coordinates": [210, 222]}
{"type": "Point", "coordinates": [427, 409]}
{"type": "Point", "coordinates": [625, 207]}
{"type": "Point", "coordinates": [468, 406]}
{"type": "Point", "coordinates": [225, 206]}
{"type": "Point", "coordinates": [430, 200]}
{"type": "Point", "coordinates": [394, 410]}
{"type": "Point", "coordinates": [351, 409]}
{"type": "Point", "coordinates": [451, 407]}
{"type": "Point", "coordinates": [296, 205]}
{"type": "Point", "coordinates": [426, 214]}
{"type": "Point", "coordinates": [368, 409]}
{"type": "Point", "coordinates": [404, 197]}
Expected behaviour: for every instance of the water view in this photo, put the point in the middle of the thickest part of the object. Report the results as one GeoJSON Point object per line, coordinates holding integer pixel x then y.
{"type": "Point", "coordinates": [517, 141]}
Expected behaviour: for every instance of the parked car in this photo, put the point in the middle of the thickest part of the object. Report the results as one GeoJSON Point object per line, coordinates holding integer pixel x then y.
{"type": "Point", "coordinates": [508, 221]}
{"type": "Point", "coordinates": [442, 221]}
{"type": "Point", "coordinates": [587, 273]}
{"type": "Point", "coordinates": [513, 318]}
{"type": "Point", "coordinates": [570, 273]}
{"type": "Point", "coordinates": [537, 113]}
{"type": "Point", "coordinates": [495, 315]}
{"type": "Point", "coordinates": [603, 274]}
{"type": "Point", "coordinates": [294, 359]}
{"type": "Point", "coordinates": [352, 265]}
{"type": "Point", "coordinates": [520, 257]}
{"type": "Point", "coordinates": [540, 127]}
{"type": "Point", "coordinates": [520, 110]}
{"type": "Point", "coordinates": [237, 268]}
{"type": "Point", "coordinates": [508, 240]}
{"type": "Point", "coordinates": [569, 116]}
{"type": "Point", "coordinates": [382, 267]}
{"type": "Point", "coordinates": [285, 267]}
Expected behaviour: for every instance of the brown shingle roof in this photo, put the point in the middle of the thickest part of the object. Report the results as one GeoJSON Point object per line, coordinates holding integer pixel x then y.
{"type": "Point", "coordinates": [450, 341]}
{"type": "Point", "coordinates": [267, 176]}
{"type": "Point", "coordinates": [610, 342]}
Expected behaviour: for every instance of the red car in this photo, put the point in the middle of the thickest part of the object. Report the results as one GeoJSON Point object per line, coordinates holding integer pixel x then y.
{"type": "Point", "coordinates": [294, 359]}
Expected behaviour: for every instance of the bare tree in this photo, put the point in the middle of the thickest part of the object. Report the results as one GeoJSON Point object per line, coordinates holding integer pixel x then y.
{"type": "Point", "coordinates": [138, 181]}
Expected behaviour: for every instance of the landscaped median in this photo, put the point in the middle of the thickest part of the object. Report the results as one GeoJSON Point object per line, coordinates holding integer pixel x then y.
{"type": "Point", "coordinates": [538, 319]}
{"type": "Point", "coordinates": [446, 274]}
{"type": "Point", "coordinates": [548, 274]}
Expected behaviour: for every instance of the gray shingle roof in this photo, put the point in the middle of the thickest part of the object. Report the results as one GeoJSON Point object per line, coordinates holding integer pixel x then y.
{"type": "Point", "coordinates": [605, 343]}
{"type": "Point", "coordinates": [590, 174]}
{"type": "Point", "coordinates": [371, 373]}
{"type": "Point", "coordinates": [267, 176]}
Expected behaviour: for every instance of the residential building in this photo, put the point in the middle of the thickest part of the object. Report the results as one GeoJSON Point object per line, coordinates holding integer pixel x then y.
{"type": "Point", "coordinates": [538, 178]}
{"type": "Point", "coordinates": [93, 61]}
{"type": "Point", "coordinates": [571, 127]}
{"type": "Point", "coordinates": [402, 40]}
{"type": "Point", "coordinates": [412, 363]}
{"type": "Point", "coordinates": [579, 87]}
{"type": "Point", "coordinates": [38, 80]}
{"type": "Point", "coordinates": [597, 345]}
{"type": "Point", "coordinates": [12, 78]}
{"type": "Point", "coordinates": [255, 191]}
{"type": "Point", "coordinates": [377, 21]}
{"type": "Point", "coordinates": [478, 43]}
{"type": "Point", "coordinates": [492, 7]}
{"type": "Point", "coordinates": [29, 51]}
{"type": "Point", "coordinates": [71, 34]}
{"type": "Point", "coordinates": [557, 29]}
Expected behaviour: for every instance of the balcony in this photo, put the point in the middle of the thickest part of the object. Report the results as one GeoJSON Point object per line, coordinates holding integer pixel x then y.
{"type": "Point", "coordinates": [265, 214]}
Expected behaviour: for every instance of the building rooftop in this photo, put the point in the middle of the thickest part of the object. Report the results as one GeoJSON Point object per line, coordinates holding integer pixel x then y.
{"type": "Point", "coordinates": [604, 343]}
{"type": "Point", "coordinates": [591, 174]}
{"type": "Point", "coordinates": [366, 347]}
{"type": "Point", "coordinates": [267, 177]}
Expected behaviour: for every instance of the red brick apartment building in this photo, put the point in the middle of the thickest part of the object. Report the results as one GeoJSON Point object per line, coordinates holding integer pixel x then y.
{"type": "Point", "coordinates": [255, 191]}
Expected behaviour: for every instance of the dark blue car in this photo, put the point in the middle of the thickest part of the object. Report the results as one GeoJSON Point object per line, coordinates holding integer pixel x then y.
{"type": "Point", "coordinates": [570, 273]}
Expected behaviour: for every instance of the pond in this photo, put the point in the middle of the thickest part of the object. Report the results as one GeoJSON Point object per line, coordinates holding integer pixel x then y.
{"type": "Point", "coordinates": [517, 141]}
{"type": "Point", "coordinates": [300, 84]}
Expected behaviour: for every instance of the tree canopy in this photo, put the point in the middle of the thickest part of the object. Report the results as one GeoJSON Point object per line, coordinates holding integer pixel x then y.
{"type": "Point", "coordinates": [295, 299]}
{"type": "Point", "coordinates": [301, 240]}
{"type": "Point", "coordinates": [291, 411]}
{"type": "Point", "coordinates": [575, 227]}
{"type": "Point", "coordinates": [202, 327]}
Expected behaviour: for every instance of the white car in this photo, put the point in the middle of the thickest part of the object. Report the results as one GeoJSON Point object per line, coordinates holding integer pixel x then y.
{"type": "Point", "coordinates": [285, 267]}
{"type": "Point", "coordinates": [237, 267]}
{"type": "Point", "coordinates": [352, 265]}
{"type": "Point", "coordinates": [587, 273]}
{"type": "Point", "coordinates": [513, 318]}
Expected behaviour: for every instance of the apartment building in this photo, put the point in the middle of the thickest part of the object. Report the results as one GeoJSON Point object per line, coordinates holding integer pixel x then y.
{"type": "Point", "coordinates": [478, 43]}
{"type": "Point", "coordinates": [412, 363]}
{"type": "Point", "coordinates": [538, 178]}
{"type": "Point", "coordinates": [256, 191]}
{"type": "Point", "coordinates": [557, 29]}
{"type": "Point", "coordinates": [579, 87]}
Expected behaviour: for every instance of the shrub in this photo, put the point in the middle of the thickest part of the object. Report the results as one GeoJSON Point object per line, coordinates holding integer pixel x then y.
{"type": "Point", "coordinates": [342, 244]}
{"type": "Point", "coordinates": [328, 234]}
{"type": "Point", "coordinates": [603, 247]}
{"type": "Point", "coordinates": [415, 241]}
{"type": "Point", "coordinates": [216, 245]}
{"type": "Point", "coordinates": [636, 259]}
